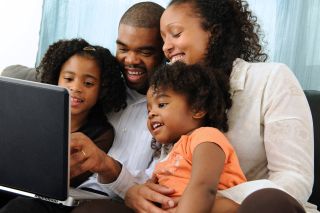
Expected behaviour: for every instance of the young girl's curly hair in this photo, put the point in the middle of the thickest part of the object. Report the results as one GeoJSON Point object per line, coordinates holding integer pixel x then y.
{"type": "Point", "coordinates": [112, 96]}
{"type": "Point", "coordinates": [200, 86]}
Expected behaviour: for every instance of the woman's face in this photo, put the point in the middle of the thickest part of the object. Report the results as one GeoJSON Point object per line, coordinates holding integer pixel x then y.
{"type": "Point", "coordinates": [183, 36]}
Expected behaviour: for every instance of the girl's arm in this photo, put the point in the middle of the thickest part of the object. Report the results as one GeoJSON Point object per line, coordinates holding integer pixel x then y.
{"type": "Point", "coordinates": [207, 166]}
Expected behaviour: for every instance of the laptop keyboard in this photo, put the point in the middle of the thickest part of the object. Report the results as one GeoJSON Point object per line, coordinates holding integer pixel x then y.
{"type": "Point", "coordinates": [82, 194]}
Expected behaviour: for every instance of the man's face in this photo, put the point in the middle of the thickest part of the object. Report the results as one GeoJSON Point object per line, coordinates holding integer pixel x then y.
{"type": "Point", "coordinates": [139, 50]}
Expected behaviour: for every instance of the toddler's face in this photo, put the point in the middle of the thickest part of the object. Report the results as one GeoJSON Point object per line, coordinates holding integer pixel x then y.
{"type": "Point", "coordinates": [81, 76]}
{"type": "Point", "coordinates": [169, 115]}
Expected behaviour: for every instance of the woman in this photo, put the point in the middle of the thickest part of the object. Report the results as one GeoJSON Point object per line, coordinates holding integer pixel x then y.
{"type": "Point", "coordinates": [270, 123]}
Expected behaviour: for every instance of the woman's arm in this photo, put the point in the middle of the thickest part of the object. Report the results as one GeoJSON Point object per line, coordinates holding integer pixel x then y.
{"type": "Point", "coordinates": [271, 130]}
{"type": "Point", "coordinates": [207, 166]}
{"type": "Point", "coordinates": [288, 135]}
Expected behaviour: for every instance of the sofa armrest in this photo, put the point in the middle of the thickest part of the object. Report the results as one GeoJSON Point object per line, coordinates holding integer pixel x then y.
{"type": "Point", "coordinates": [21, 72]}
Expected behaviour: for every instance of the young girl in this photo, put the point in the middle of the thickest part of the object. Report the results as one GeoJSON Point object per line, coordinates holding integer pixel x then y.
{"type": "Point", "coordinates": [186, 108]}
{"type": "Point", "coordinates": [93, 78]}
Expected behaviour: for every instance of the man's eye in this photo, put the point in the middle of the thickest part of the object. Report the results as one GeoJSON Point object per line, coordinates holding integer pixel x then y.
{"type": "Point", "coordinates": [122, 50]}
{"type": "Point", "coordinates": [146, 52]}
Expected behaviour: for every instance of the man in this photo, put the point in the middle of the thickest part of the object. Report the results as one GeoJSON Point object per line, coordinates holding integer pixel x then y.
{"type": "Point", "coordinates": [139, 50]}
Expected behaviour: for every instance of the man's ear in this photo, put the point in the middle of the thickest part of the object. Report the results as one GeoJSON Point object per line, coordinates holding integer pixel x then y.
{"type": "Point", "coordinates": [199, 114]}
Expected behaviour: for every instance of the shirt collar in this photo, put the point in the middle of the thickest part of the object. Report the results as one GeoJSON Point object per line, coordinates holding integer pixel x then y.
{"type": "Point", "coordinates": [238, 75]}
{"type": "Point", "coordinates": [133, 97]}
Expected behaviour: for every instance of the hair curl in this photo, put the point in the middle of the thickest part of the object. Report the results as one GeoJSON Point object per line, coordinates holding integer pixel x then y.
{"type": "Point", "coordinates": [112, 96]}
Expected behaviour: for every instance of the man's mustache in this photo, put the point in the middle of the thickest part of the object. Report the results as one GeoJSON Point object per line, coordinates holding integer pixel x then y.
{"type": "Point", "coordinates": [134, 66]}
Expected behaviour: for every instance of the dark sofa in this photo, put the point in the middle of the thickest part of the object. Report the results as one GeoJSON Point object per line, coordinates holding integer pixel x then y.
{"type": "Point", "coordinates": [313, 97]}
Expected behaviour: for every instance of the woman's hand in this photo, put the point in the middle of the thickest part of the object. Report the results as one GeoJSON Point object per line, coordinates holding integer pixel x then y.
{"type": "Point", "coordinates": [86, 156]}
{"type": "Point", "coordinates": [224, 205]}
{"type": "Point", "coordinates": [145, 197]}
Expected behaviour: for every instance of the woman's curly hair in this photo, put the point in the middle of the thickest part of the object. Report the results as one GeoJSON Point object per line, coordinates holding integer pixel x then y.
{"type": "Point", "coordinates": [200, 86]}
{"type": "Point", "coordinates": [234, 34]}
{"type": "Point", "coordinates": [112, 96]}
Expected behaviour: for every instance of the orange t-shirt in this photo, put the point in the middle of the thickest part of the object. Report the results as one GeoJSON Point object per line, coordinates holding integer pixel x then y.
{"type": "Point", "coordinates": [175, 170]}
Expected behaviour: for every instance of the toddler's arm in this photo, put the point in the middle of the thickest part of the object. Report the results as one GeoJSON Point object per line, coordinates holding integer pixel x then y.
{"type": "Point", "coordinates": [207, 166]}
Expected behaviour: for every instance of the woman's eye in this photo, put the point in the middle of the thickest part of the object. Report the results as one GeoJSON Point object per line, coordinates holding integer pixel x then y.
{"type": "Point", "coordinates": [176, 35]}
{"type": "Point", "coordinates": [68, 79]}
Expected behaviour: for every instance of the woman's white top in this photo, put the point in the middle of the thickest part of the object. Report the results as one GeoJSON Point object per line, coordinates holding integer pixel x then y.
{"type": "Point", "coordinates": [270, 127]}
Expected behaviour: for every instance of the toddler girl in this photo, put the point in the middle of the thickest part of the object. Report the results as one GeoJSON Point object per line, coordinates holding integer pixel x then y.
{"type": "Point", "coordinates": [186, 108]}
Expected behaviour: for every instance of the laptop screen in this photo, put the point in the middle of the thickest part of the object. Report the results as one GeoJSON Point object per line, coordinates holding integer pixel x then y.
{"type": "Point", "coordinates": [34, 134]}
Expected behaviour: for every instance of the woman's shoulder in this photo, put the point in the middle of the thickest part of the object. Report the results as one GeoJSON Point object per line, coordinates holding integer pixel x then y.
{"type": "Point", "coordinates": [265, 68]}
{"type": "Point", "coordinates": [262, 72]}
{"type": "Point", "coordinates": [260, 67]}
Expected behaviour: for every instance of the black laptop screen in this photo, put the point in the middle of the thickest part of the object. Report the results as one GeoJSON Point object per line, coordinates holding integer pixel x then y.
{"type": "Point", "coordinates": [34, 123]}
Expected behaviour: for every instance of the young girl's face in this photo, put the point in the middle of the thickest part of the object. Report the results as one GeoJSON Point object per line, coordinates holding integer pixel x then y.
{"type": "Point", "coordinates": [81, 76]}
{"type": "Point", "coordinates": [169, 115]}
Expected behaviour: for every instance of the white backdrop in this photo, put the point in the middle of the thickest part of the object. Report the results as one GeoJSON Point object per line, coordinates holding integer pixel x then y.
{"type": "Point", "coordinates": [19, 31]}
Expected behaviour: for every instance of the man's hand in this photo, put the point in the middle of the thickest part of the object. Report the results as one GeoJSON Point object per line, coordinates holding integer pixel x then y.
{"type": "Point", "coordinates": [86, 156]}
{"type": "Point", "coordinates": [142, 198]}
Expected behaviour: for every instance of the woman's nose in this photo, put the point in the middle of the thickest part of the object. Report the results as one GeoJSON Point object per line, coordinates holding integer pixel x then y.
{"type": "Point", "coordinates": [167, 47]}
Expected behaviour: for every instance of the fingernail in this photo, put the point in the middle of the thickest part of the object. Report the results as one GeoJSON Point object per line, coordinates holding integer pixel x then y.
{"type": "Point", "coordinates": [171, 203]}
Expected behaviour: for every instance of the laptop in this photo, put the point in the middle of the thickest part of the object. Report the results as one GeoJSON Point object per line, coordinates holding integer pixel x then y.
{"type": "Point", "coordinates": [34, 142]}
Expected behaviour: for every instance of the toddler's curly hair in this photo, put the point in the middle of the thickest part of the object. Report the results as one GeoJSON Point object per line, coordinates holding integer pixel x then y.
{"type": "Point", "coordinates": [201, 88]}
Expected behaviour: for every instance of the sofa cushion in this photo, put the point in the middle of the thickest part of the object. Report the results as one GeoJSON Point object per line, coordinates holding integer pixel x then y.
{"type": "Point", "coordinates": [21, 72]}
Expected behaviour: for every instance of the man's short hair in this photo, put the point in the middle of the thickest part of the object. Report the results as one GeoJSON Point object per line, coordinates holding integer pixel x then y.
{"type": "Point", "coordinates": [143, 14]}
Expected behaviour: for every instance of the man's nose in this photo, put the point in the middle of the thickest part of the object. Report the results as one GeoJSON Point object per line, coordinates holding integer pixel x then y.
{"type": "Point", "coordinates": [132, 58]}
